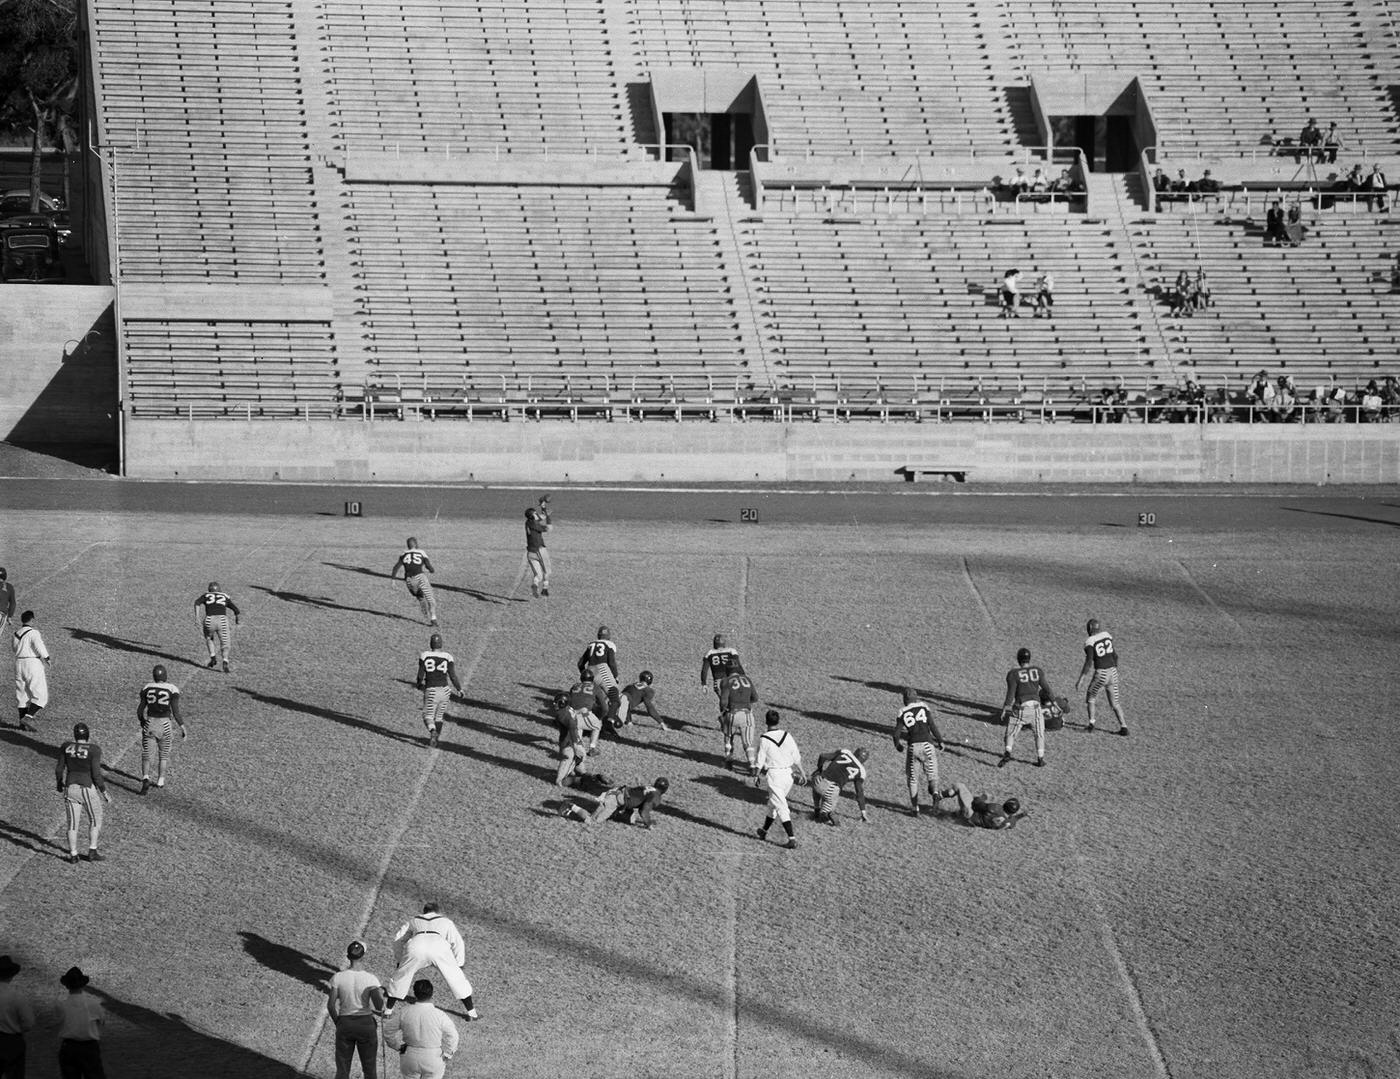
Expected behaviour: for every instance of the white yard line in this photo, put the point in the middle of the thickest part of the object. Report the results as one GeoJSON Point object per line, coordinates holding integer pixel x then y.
{"type": "Point", "coordinates": [1221, 611]}
{"type": "Point", "coordinates": [406, 818]}
{"type": "Point", "coordinates": [977, 594]}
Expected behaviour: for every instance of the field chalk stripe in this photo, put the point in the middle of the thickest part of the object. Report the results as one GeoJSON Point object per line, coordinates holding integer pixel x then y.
{"type": "Point", "coordinates": [50, 576]}
{"type": "Point", "coordinates": [1221, 611]}
{"type": "Point", "coordinates": [1125, 974]}
{"type": "Point", "coordinates": [977, 593]}
{"type": "Point", "coordinates": [392, 848]}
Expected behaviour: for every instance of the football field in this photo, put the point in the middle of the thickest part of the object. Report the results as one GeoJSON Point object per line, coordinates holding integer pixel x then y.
{"type": "Point", "coordinates": [1213, 897]}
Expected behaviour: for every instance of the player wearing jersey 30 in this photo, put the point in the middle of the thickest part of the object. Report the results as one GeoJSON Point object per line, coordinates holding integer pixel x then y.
{"type": "Point", "coordinates": [738, 697]}
{"type": "Point", "coordinates": [916, 735]}
{"type": "Point", "coordinates": [1101, 657]}
{"type": "Point", "coordinates": [80, 781]}
{"type": "Point", "coordinates": [436, 669]}
{"type": "Point", "coordinates": [416, 566]}
{"type": "Point", "coordinates": [158, 712]}
{"type": "Point", "coordinates": [1026, 690]}
{"type": "Point", "coordinates": [639, 697]}
{"type": "Point", "coordinates": [214, 607]}
{"type": "Point", "coordinates": [834, 771]}
{"type": "Point", "coordinates": [598, 665]}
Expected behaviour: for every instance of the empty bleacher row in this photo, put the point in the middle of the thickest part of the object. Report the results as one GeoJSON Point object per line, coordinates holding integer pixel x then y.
{"type": "Point", "coordinates": [465, 287]}
{"type": "Point", "coordinates": [235, 370]}
{"type": "Point", "coordinates": [879, 77]}
{"type": "Point", "coordinates": [518, 77]}
{"type": "Point", "coordinates": [203, 113]}
{"type": "Point", "coordinates": [1224, 78]}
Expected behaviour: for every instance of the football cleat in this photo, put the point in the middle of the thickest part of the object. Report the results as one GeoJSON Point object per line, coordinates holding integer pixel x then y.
{"type": "Point", "coordinates": [71, 859]}
{"type": "Point", "coordinates": [93, 855]}
{"type": "Point", "coordinates": [225, 666]}
{"type": "Point", "coordinates": [25, 725]}
{"type": "Point", "coordinates": [1123, 731]}
{"type": "Point", "coordinates": [212, 663]}
{"type": "Point", "coordinates": [792, 844]}
{"type": "Point", "coordinates": [545, 590]}
{"type": "Point", "coordinates": [1089, 729]}
{"type": "Point", "coordinates": [160, 782]}
{"type": "Point", "coordinates": [433, 735]}
{"type": "Point", "coordinates": [145, 784]}
{"type": "Point", "coordinates": [830, 819]}
{"type": "Point", "coordinates": [1005, 760]}
{"type": "Point", "coordinates": [1040, 762]}
{"type": "Point", "coordinates": [535, 591]}
{"type": "Point", "coordinates": [473, 1015]}
{"type": "Point", "coordinates": [762, 833]}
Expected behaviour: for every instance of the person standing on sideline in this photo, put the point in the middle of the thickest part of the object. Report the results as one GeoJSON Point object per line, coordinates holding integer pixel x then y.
{"type": "Point", "coordinates": [214, 607]}
{"type": "Point", "coordinates": [436, 668]}
{"type": "Point", "coordinates": [1101, 657]}
{"type": "Point", "coordinates": [916, 735]}
{"type": "Point", "coordinates": [80, 781]}
{"type": "Point", "coordinates": [537, 523]}
{"type": "Point", "coordinates": [16, 1019]}
{"type": "Point", "coordinates": [7, 599]}
{"type": "Point", "coordinates": [424, 1036]}
{"type": "Point", "coordinates": [158, 712]}
{"type": "Point", "coordinates": [1026, 691]}
{"type": "Point", "coordinates": [80, 1029]}
{"type": "Point", "coordinates": [431, 938]}
{"type": "Point", "coordinates": [737, 699]}
{"type": "Point", "coordinates": [779, 764]}
{"type": "Point", "coordinates": [32, 661]}
{"type": "Point", "coordinates": [354, 998]}
{"type": "Point", "coordinates": [416, 566]}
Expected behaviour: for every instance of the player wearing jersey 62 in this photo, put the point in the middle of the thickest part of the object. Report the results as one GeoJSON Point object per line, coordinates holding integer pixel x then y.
{"type": "Point", "coordinates": [158, 712]}
{"type": "Point", "coordinates": [436, 669]}
{"type": "Point", "coordinates": [916, 735]}
{"type": "Point", "coordinates": [1026, 690]}
{"type": "Point", "coordinates": [416, 566]}
{"type": "Point", "coordinates": [214, 607]}
{"type": "Point", "coordinates": [1101, 657]}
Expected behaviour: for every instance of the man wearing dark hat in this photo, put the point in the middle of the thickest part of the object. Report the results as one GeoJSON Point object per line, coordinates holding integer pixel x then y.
{"type": "Point", "coordinates": [16, 1017]}
{"type": "Point", "coordinates": [80, 1029]}
{"type": "Point", "coordinates": [356, 997]}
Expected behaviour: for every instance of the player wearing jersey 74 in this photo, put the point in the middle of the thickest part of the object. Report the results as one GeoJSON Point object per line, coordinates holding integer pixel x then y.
{"type": "Point", "coordinates": [1101, 657]}
{"type": "Point", "coordinates": [436, 669]}
{"type": "Point", "coordinates": [157, 709]}
{"type": "Point", "coordinates": [917, 737]}
{"type": "Point", "coordinates": [834, 771]}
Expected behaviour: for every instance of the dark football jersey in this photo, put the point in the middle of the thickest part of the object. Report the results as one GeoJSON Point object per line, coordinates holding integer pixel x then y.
{"type": "Point", "coordinates": [413, 562]}
{"type": "Point", "coordinates": [80, 763]}
{"type": "Point", "coordinates": [639, 694]}
{"type": "Point", "coordinates": [915, 724]}
{"type": "Point", "coordinates": [158, 699]}
{"type": "Point", "coordinates": [214, 603]}
{"type": "Point", "coordinates": [737, 693]}
{"type": "Point", "coordinates": [535, 522]}
{"type": "Point", "coordinates": [435, 667]}
{"type": "Point", "coordinates": [1026, 684]}
{"type": "Point", "coordinates": [844, 768]}
{"type": "Point", "coordinates": [600, 653]}
{"type": "Point", "coordinates": [1099, 648]}
{"type": "Point", "coordinates": [721, 662]}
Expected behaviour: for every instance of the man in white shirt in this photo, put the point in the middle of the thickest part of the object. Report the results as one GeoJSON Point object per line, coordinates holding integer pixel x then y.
{"type": "Point", "coordinates": [779, 764]}
{"type": "Point", "coordinates": [354, 998]}
{"type": "Point", "coordinates": [424, 1036]}
{"type": "Point", "coordinates": [80, 1029]}
{"type": "Point", "coordinates": [16, 1018]}
{"type": "Point", "coordinates": [31, 674]}
{"type": "Point", "coordinates": [431, 938]}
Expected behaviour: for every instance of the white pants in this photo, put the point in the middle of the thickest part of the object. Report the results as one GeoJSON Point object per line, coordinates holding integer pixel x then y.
{"type": "Point", "coordinates": [419, 952]}
{"type": "Point", "coordinates": [31, 683]}
{"type": "Point", "coordinates": [422, 1064]}
{"type": "Point", "coordinates": [779, 783]}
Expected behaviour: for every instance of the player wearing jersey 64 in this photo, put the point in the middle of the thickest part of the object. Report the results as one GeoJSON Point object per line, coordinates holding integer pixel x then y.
{"type": "Point", "coordinates": [916, 736]}
{"type": "Point", "coordinates": [436, 669]}
{"type": "Point", "coordinates": [416, 566]}
{"type": "Point", "coordinates": [214, 607]}
{"type": "Point", "coordinates": [1101, 657]}
{"type": "Point", "coordinates": [158, 712]}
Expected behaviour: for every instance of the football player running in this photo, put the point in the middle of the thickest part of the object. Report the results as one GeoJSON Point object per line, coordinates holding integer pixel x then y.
{"type": "Point", "coordinates": [416, 566]}
{"type": "Point", "coordinates": [436, 668]}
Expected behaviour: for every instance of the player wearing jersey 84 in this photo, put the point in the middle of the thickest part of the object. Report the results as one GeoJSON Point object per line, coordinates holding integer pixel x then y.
{"type": "Point", "coordinates": [436, 669]}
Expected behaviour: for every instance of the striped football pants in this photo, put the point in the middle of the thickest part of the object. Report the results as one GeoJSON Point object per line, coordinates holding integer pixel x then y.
{"type": "Point", "coordinates": [80, 800]}
{"type": "Point", "coordinates": [825, 794]}
{"type": "Point", "coordinates": [216, 627]}
{"type": "Point", "coordinates": [741, 726]}
{"type": "Point", "coordinates": [921, 767]}
{"type": "Point", "coordinates": [421, 589]}
{"type": "Point", "coordinates": [1105, 679]}
{"type": "Point", "coordinates": [159, 732]}
{"type": "Point", "coordinates": [435, 700]}
{"type": "Point", "coordinates": [1027, 712]}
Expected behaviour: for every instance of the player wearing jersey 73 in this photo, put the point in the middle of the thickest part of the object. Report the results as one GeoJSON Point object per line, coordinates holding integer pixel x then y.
{"type": "Point", "coordinates": [1101, 657]}
{"type": "Point", "coordinates": [158, 712]}
{"type": "Point", "coordinates": [917, 737]}
{"type": "Point", "coordinates": [436, 668]}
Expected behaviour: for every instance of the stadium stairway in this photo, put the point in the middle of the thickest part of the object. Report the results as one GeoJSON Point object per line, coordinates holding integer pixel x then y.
{"type": "Point", "coordinates": [723, 194]}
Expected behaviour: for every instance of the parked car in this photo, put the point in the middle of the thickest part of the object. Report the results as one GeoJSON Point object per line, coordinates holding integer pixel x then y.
{"type": "Point", "coordinates": [20, 198]}
{"type": "Point", "coordinates": [29, 253]}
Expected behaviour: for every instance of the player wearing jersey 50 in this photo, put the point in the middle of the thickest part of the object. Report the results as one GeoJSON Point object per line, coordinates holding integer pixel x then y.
{"type": "Point", "coordinates": [1101, 657]}
{"type": "Point", "coordinates": [637, 698]}
{"type": "Point", "coordinates": [537, 523]}
{"type": "Point", "coordinates": [1026, 690]}
{"type": "Point", "coordinates": [416, 566]}
{"type": "Point", "coordinates": [436, 669]}
{"type": "Point", "coordinates": [916, 736]}
{"type": "Point", "coordinates": [80, 781]}
{"type": "Point", "coordinates": [158, 712]}
{"type": "Point", "coordinates": [598, 665]}
{"type": "Point", "coordinates": [834, 771]}
{"type": "Point", "coordinates": [737, 699]}
{"type": "Point", "coordinates": [214, 607]}
{"type": "Point", "coordinates": [779, 764]}
{"type": "Point", "coordinates": [31, 671]}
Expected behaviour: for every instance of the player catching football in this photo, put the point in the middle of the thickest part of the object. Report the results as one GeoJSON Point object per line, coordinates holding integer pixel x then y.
{"type": "Point", "coordinates": [1101, 657]}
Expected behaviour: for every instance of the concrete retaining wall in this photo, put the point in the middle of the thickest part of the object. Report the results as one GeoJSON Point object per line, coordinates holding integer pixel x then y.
{"type": "Point", "coordinates": [486, 451]}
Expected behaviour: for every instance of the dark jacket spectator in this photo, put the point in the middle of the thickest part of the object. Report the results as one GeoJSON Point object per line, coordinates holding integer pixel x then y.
{"type": "Point", "coordinates": [1275, 233]}
{"type": "Point", "coordinates": [1161, 183]}
{"type": "Point", "coordinates": [1375, 187]}
{"type": "Point", "coordinates": [1331, 143]}
{"type": "Point", "coordinates": [1310, 141]}
{"type": "Point", "coordinates": [1208, 184]}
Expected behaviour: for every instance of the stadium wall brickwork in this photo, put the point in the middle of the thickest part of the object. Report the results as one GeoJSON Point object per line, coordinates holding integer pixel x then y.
{"type": "Point", "coordinates": [493, 451]}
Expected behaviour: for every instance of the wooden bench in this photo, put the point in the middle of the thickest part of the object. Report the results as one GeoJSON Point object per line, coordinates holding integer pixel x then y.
{"type": "Point", "coordinates": [956, 473]}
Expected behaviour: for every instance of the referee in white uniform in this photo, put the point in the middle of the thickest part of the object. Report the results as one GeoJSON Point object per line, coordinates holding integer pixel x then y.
{"type": "Point", "coordinates": [779, 763]}
{"type": "Point", "coordinates": [31, 671]}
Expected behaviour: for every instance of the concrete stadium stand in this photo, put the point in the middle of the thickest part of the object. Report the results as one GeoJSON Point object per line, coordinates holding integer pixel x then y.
{"type": "Point", "coordinates": [557, 452]}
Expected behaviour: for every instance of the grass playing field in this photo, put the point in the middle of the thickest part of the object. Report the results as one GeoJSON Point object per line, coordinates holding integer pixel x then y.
{"type": "Point", "coordinates": [1214, 897]}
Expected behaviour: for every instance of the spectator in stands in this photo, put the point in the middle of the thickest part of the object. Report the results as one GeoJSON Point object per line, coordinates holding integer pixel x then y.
{"type": "Point", "coordinates": [1275, 233]}
{"type": "Point", "coordinates": [1375, 188]}
{"type": "Point", "coordinates": [1371, 403]}
{"type": "Point", "coordinates": [1181, 296]}
{"type": "Point", "coordinates": [1200, 293]}
{"type": "Point", "coordinates": [1293, 225]}
{"type": "Point", "coordinates": [1019, 185]}
{"type": "Point", "coordinates": [1285, 403]}
{"type": "Point", "coordinates": [1193, 397]}
{"type": "Point", "coordinates": [1261, 396]}
{"type": "Point", "coordinates": [1045, 295]}
{"type": "Point", "coordinates": [1181, 185]}
{"type": "Point", "coordinates": [1039, 184]}
{"type": "Point", "coordinates": [1333, 402]}
{"type": "Point", "coordinates": [1108, 407]}
{"type": "Point", "coordinates": [1064, 182]}
{"type": "Point", "coordinates": [1208, 184]}
{"type": "Point", "coordinates": [1218, 408]}
{"type": "Point", "coordinates": [1310, 141]}
{"type": "Point", "coordinates": [1161, 183]}
{"type": "Point", "coordinates": [1331, 143]}
{"type": "Point", "coordinates": [1011, 295]}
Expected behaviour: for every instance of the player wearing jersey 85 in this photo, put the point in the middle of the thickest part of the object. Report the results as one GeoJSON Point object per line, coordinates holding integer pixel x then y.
{"type": "Point", "coordinates": [158, 712]}
{"type": "Point", "coordinates": [1101, 657]}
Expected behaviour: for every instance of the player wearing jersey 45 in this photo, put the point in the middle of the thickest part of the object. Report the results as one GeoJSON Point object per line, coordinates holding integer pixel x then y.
{"type": "Point", "coordinates": [80, 780]}
{"type": "Point", "coordinates": [158, 712]}
{"type": "Point", "coordinates": [916, 735]}
{"type": "Point", "coordinates": [1101, 657]}
{"type": "Point", "coordinates": [416, 566]}
{"type": "Point", "coordinates": [834, 771]}
{"type": "Point", "coordinates": [436, 669]}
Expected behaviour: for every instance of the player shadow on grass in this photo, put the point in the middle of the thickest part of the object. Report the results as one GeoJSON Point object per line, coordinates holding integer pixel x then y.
{"type": "Point", "coordinates": [353, 722]}
{"type": "Point", "coordinates": [1345, 516]}
{"type": "Point", "coordinates": [545, 773]}
{"type": "Point", "coordinates": [325, 603]}
{"type": "Point", "coordinates": [166, 1040]}
{"type": "Point", "coordinates": [120, 644]}
{"type": "Point", "coordinates": [478, 594]}
{"type": "Point", "coordinates": [284, 960]}
{"type": "Point", "coordinates": [951, 704]}
{"type": "Point", "coordinates": [33, 841]}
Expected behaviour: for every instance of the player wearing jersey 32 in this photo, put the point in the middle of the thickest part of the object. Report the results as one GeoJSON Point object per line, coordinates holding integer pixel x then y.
{"type": "Point", "coordinates": [158, 712]}
{"type": "Point", "coordinates": [436, 669]}
{"type": "Point", "coordinates": [916, 736]}
{"type": "Point", "coordinates": [214, 607]}
{"type": "Point", "coordinates": [738, 697]}
{"type": "Point", "coordinates": [1101, 657]}
{"type": "Point", "coordinates": [80, 781]}
{"type": "Point", "coordinates": [416, 566]}
{"type": "Point", "coordinates": [1026, 691]}
{"type": "Point", "coordinates": [834, 771]}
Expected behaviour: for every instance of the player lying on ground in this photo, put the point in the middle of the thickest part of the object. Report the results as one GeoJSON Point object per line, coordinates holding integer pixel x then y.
{"type": "Point", "coordinates": [630, 805]}
{"type": "Point", "coordinates": [979, 811]}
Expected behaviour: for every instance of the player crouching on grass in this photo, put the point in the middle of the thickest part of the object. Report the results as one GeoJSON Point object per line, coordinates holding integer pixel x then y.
{"type": "Point", "coordinates": [639, 697]}
{"type": "Point", "coordinates": [630, 805]}
{"type": "Point", "coordinates": [579, 730]}
{"type": "Point", "coordinates": [834, 771]}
